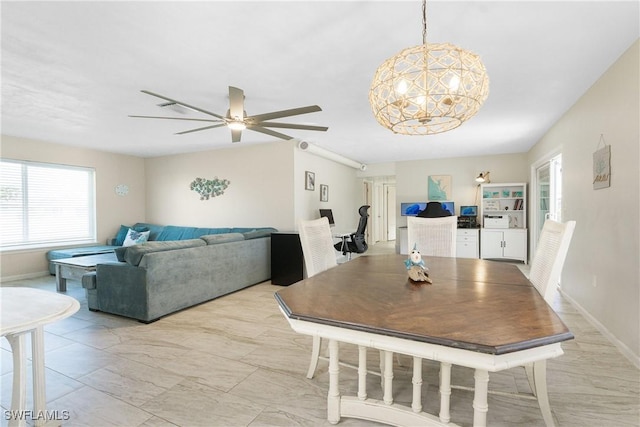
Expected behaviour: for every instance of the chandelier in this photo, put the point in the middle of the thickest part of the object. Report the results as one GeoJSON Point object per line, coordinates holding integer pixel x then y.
{"type": "Point", "coordinates": [429, 88]}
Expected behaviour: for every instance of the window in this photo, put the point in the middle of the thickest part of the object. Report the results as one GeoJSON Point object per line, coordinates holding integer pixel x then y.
{"type": "Point", "coordinates": [45, 204]}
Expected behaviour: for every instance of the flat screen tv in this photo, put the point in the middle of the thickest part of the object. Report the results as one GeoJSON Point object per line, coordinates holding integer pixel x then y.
{"type": "Point", "coordinates": [468, 211]}
{"type": "Point", "coordinates": [329, 214]}
{"type": "Point", "coordinates": [449, 206]}
{"type": "Point", "coordinates": [412, 209]}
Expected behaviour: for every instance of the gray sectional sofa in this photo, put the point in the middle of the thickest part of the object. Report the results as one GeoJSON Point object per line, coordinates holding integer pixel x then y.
{"type": "Point", "coordinates": [157, 278]}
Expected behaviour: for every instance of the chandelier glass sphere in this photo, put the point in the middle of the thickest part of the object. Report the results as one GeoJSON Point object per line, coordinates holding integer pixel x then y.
{"type": "Point", "coordinates": [429, 88]}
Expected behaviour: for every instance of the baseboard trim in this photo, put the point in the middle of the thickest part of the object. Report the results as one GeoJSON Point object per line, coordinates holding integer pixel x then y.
{"type": "Point", "coordinates": [25, 276]}
{"type": "Point", "coordinates": [626, 351]}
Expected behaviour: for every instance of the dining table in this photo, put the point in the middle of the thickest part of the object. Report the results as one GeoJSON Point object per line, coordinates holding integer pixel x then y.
{"type": "Point", "coordinates": [481, 314]}
{"type": "Point", "coordinates": [24, 312]}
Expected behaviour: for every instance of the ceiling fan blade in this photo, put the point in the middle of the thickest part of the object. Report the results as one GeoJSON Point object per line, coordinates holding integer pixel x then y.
{"type": "Point", "coordinates": [183, 104]}
{"type": "Point", "coordinates": [235, 135]}
{"type": "Point", "coordinates": [292, 126]}
{"type": "Point", "coordinates": [199, 129]}
{"type": "Point", "coordinates": [176, 118]}
{"type": "Point", "coordinates": [270, 132]}
{"type": "Point", "coordinates": [284, 113]}
{"type": "Point", "coordinates": [236, 103]}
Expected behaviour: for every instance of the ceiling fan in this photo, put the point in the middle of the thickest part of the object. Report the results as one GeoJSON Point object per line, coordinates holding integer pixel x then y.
{"type": "Point", "coordinates": [236, 118]}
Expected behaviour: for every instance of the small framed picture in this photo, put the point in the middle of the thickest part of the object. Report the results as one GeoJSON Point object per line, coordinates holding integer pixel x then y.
{"type": "Point", "coordinates": [309, 181]}
{"type": "Point", "coordinates": [324, 193]}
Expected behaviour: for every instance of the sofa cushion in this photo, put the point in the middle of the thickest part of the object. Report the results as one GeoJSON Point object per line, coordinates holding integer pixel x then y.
{"type": "Point", "coordinates": [120, 251]}
{"type": "Point", "coordinates": [213, 239]}
{"type": "Point", "coordinates": [155, 229]}
{"type": "Point", "coordinates": [124, 229]}
{"type": "Point", "coordinates": [256, 234]}
{"type": "Point", "coordinates": [134, 254]}
{"type": "Point", "coordinates": [135, 237]}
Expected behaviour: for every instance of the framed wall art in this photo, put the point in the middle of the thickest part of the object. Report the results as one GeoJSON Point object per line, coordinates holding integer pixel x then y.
{"type": "Point", "coordinates": [324, 193]}
{"type": "Point", "coordinates": [439, 187]}
{"type": "Point", "coordinates": [602, 166]}
{"type": "Point", "coordinates": [309, 181]}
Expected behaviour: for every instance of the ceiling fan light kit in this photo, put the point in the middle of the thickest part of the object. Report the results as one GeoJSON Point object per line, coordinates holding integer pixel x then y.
{"type": "Point", "coordinates": [429, 88]}
{"type": "Point", "coordinates": [237, 119]}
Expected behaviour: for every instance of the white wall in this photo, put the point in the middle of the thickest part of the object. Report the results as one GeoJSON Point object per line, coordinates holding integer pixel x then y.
{"type": "Point", "coordinates": [111, 209]}
{"type": "Point", "coordinates": [260, 193]}
{"type": "Point", "coordinates": [601, 273]}
{"type": "Point", "coordinates": [345, 191]}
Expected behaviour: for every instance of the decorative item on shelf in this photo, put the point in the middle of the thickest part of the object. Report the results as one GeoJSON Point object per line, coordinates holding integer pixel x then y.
{"type": "Point", "coordinates": [429, 88]}
{"type": "Point", "coordinates": [483, 178]}
{"type": "Point", "coordinates": [416, 269]}
{"type": "Point", "coordinates": [208, 188]}
{"type": "Point", "coordinates": [309, 181]}
{"type": "Point", "coordinates": [324, 193]}
{"type": "Point", "coordinates": [439, 188]}
{"type": "Point", "coordinates": [602, 165]}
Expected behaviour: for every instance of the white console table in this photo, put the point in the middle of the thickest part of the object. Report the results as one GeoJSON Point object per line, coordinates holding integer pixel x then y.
{"type": "Point", "coordinates": [467, 242]}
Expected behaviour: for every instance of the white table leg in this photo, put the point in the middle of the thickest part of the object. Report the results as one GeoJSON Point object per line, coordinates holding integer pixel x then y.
{"type": "Point", "coordinates": [445, 392]}
{"type": "Point", "coordinates": [333, 399]}
{"type": "Point", "coordinates": [19, 392]}
{"type": "Point", "coordinates": [480, 405]}
{"type": "Point", "coordinates": [388, 377]}
{"type": "Point", "coordinates": [416, 405]}
{"type": "Point", "coordinates": [362, 372]}
{"type": "Point", "coordinates": [37, 363]}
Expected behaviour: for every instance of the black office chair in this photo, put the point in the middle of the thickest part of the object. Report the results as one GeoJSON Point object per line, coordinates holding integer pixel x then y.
{"type": "Point", "coordinates": [355, 242]}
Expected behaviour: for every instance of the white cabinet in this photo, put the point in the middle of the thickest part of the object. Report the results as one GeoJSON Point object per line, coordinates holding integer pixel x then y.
{"type": "Point", "coordinates": [504, 244]}
{"type": "Point", "coordinates": [503, 213]}
{"type": "Point", "coordinates": [467, 243]}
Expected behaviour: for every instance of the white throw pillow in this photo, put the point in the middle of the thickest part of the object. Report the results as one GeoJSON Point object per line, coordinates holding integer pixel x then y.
{"type": "Point", "coordinates": [135, 237]}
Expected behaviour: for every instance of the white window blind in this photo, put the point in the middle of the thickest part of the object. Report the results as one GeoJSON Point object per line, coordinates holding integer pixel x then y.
{"type": "Point", "coordinates": [45, 204]}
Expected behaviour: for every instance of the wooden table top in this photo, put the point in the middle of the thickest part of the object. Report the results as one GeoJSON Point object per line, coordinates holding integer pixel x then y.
{"type": "Point", "coordinates": [479, 305]}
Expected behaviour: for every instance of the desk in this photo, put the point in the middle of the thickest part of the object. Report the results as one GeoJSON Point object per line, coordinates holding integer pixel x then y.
{"type": "Point", "coordinates": [27, 310]}
{"type": "Point", "coordinates": [480, 314]}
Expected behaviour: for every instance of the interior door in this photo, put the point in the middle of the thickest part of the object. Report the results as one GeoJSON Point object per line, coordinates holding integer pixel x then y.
{"type": "Point", "coordinates": [390, 216]}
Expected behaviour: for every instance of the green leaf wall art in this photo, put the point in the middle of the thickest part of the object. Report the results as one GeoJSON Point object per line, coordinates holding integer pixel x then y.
{"type": "Point", "coordinates": [208, 188]}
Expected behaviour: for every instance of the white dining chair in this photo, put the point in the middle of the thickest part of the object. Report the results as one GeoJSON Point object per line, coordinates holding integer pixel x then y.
{"type": "Point", "coordinates": [319, 255]}
{"type": "Point", "coordinates": [550, 255]}
{"type": "Point", "coordinates": [544, 275]}
{"type": "Point", "coordinates": [433, 236]}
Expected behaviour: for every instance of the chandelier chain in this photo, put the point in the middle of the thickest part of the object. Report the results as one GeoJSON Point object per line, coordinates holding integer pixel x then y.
{"type": "Point", "coordinates": [424, 22]}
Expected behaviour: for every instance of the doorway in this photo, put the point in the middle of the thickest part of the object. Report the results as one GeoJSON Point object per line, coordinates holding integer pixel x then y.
{"type": "Point", "coordinates": [547, 194]}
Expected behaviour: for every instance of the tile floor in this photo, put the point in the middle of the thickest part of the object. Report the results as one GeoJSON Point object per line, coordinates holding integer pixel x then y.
{"type": "Point", "coordinates": [234, 361]}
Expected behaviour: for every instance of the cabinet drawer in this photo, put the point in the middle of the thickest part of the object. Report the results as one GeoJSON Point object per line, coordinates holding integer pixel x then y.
{"type": "Point", "coordinates": [467, 236]}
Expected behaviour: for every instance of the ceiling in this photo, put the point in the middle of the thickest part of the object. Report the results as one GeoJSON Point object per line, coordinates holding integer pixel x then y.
{"type": "Point", "coordinates": [72, 71]}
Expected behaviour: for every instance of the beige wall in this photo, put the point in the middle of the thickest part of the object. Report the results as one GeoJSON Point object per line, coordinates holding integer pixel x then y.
{"type": "Point", "coordinates": [601, 273]}
{"type": "Point", "coordinates": [260, 193]}
{"type": "Point", "coordinates": [112, 210]}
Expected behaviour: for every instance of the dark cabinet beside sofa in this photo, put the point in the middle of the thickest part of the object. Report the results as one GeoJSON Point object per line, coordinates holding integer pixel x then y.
{"type": "Point", "coordinates": [287, 261]}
